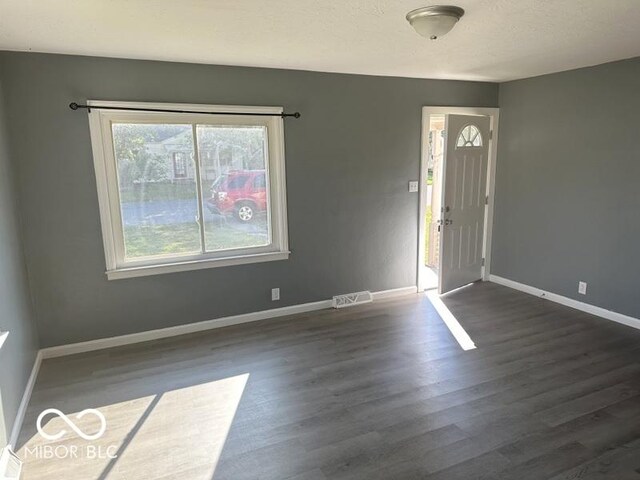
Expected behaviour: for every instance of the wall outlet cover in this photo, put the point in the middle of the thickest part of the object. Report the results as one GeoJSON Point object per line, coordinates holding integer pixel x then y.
{"type": "Point", "coordinates": [275, 294]}
{"type": "Point", "coordinates": [413, 186]}
{"type": "Point", "coordinates": [582, 288]}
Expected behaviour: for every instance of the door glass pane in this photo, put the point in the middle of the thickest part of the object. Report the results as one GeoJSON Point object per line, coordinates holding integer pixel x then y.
{"type": "Point", "coordinates": [469, 137]}
{"type": "Point", "coordinates": [158, 196]}
{"type": "Point", "coordinates": [233, 167]}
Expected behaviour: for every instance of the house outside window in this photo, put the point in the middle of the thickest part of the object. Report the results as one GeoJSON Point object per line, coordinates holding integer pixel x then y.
{"type": "Point", "coordinates": [179, 165]}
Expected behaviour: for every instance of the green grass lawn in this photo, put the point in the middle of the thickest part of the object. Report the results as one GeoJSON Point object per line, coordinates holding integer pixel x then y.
{"type": "Point", "coordinates": [185, 238]}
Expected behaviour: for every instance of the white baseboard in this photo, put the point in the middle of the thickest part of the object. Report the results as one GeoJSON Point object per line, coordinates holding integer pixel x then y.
{"type": "Point", "coordinates": [10, 464]}
{"type": "Point", "coordinates": [102, 343]}
{"type": "Point", "coordinates": [394, 292]}
{"type": "Point", "coordinates": [24, 403]}
{"type": "Point", "coordinates": [569, 302]}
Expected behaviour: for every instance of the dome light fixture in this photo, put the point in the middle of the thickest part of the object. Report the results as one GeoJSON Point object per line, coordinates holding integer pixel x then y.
{"type": "Point", "coordinates": [435, 21]}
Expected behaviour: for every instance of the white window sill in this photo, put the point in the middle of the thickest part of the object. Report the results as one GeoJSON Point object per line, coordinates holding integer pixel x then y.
{"type": "Point", "coordinates": [143, 271]}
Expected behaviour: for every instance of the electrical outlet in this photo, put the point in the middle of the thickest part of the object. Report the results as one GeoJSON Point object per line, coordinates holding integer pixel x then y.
{"type": "Point", "coordinates": [275, 294]}
{"type": "Point", "coordinates": [413, 186]}
{"type": "Point", "coordinates": [582, 288]}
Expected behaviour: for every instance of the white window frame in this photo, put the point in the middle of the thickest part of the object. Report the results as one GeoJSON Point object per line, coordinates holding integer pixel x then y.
{"type": "Point", "coordinates": [117, 267]}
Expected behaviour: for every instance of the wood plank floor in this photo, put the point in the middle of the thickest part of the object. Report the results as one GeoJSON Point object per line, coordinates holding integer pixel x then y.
{"type": "Point", "coordinates": [379, 391]}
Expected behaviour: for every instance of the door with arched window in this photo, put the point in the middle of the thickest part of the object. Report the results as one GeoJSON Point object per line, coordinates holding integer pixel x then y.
{"type": "Point", "coordinates": [463, 207]}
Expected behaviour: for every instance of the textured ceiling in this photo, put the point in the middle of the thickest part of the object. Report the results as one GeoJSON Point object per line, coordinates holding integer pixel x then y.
{"type": "Point", "coordinates": [496, 40]}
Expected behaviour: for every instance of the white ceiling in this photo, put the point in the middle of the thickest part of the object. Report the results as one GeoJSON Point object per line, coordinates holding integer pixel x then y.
{"type": "Point", "coordinates": [496, 40]}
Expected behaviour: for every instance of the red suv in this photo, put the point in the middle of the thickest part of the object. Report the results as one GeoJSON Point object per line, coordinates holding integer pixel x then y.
{"type": "Point", "coordinates": [242, 193]}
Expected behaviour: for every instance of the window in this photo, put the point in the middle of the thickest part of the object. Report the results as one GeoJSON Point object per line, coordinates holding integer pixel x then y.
{"type": "Point", "coordinates": [184, 191]}
{"type": "Point", "coordinates": [469, 137]}
{"type": "Point", "coordinates": [179, 165]}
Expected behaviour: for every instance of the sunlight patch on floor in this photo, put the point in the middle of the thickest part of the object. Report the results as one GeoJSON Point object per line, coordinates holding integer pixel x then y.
{"type": "Point", "coordinates": [153, 437]}
{"type": "Point", "coordinates": [451, 321]}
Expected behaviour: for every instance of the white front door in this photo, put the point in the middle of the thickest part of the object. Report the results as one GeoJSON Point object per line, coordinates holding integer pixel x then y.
{"type": "Point", "coordinates": [463, 200]}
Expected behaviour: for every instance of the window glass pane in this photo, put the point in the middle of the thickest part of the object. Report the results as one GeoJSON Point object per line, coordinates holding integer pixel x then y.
{"type": "Point", "coordinates": [469, 137]}
{"type": "Point", "coordinates": [260, 181]}
{"type": "Point", "coordinates": [158, 196]}
{"type": "Point", "coordinates": [237, 181]}
{"type": "Point", "coordinates": [236, 204]}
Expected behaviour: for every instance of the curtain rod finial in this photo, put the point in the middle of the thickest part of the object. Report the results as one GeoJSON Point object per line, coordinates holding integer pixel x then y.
{"type": "Point", "coordinates": [73, 106]}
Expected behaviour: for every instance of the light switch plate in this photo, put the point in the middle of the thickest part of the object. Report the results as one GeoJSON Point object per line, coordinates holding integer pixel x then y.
{"type": "Point", "coordinates": [413, 186]}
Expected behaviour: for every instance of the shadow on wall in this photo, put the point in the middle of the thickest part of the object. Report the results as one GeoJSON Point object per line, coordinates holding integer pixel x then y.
{"type": "Point", "coordinates": [19, 349]}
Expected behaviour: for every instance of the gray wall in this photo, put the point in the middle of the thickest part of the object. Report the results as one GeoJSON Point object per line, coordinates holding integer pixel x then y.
{"type": "Point", "coordinates": [568, 184]}
{"type": "Point", "coordinates": [19, 350]}
{"type": "Point", "coordinates": [352, 223]}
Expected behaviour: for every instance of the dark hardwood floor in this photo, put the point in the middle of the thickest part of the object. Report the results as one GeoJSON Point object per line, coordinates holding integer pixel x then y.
{"type": "Point", "coordinates": [379, 391]}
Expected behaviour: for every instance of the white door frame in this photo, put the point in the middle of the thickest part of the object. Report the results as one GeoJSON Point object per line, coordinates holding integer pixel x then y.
{"type": "Point", "coordinates": [494, 118]}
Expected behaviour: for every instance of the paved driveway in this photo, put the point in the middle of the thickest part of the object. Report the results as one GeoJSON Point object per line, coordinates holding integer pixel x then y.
{"type": "Point", "coordinates": [161, 212]}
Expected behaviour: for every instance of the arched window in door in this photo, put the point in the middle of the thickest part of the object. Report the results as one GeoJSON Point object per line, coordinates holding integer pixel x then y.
{"type": "Point", "coordinates": [469, 136]}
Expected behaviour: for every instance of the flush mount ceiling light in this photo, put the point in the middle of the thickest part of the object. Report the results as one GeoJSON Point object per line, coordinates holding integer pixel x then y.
{"type": "Point", "coordinates": [435, 21]}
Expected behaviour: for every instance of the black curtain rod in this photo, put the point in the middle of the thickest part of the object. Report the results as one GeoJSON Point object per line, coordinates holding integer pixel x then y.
{"type": "Point", "coordinates": [75, 106]}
